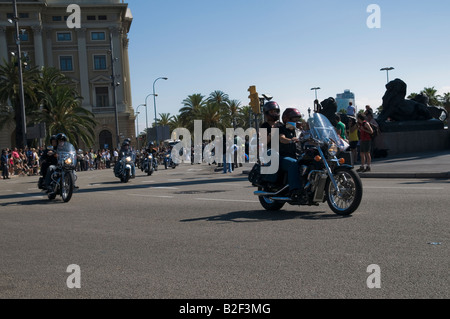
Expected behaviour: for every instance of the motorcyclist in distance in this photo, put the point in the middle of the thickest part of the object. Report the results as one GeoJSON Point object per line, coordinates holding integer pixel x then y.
{"type": "Point", "coordinates": [288, 153]}
{"type": "Point", "coordinates": [124, 152]}
{"type": "Point", "coordinates": [61, 139]}
{"type": "Point", "coordinates": [48, 158]}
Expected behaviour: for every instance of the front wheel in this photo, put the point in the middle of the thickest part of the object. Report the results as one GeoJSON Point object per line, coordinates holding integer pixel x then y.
{"type": "Point", "coordinates": [67, 187]}
{"type": "Point", "coordinates": [347, 200]}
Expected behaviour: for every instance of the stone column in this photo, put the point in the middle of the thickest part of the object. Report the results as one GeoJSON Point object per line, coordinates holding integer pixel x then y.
{"type": "Point", "coordinates": [38, 46]}
{"type": "Point", "coordinates": [3, 45]}
{"type": "Point", "coordinates": [83, 66]}
{"type": "Point", "coordinates": [117, 54]}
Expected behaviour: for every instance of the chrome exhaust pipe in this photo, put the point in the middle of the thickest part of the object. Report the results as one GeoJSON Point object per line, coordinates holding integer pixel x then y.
{"type": "Point", "coordinates": [262, 193]}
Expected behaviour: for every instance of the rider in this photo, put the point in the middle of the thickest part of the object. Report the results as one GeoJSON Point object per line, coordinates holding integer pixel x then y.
{"type": "Point", "coordinates": [124, 152]}
{"type": "Point", "coordinates": [288, 152]}
{"type": "Point", "coordinates": [61, 139]}
{"type": "Point", "coordinates": [272, 116]}
{"type": "Point", "coordinates": [152, 149]}
{"type": "Point", "coordinates": [48, 158]}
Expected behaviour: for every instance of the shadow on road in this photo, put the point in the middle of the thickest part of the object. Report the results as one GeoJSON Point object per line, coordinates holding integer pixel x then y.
{"type": "Point", "coordinates": [264, 215]}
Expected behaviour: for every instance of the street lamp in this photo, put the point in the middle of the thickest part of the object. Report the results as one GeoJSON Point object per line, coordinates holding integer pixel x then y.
{"type": "Point", "coordinates": [154, 103]}
{"type": "Point", "coordinates": [315, 90]}
{"type": "Point", "coordinates": [22, 140]}
{"type": "Point", "coordinates": [387, 69]}
{"type": "Point", "coordinates": [146, 114]}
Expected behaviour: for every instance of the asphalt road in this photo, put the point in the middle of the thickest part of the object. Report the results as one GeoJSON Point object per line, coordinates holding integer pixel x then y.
{"type": "Point", "coordinates": [195, 233]}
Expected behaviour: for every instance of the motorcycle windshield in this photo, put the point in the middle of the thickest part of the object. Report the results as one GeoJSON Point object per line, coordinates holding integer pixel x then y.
{"type": "Point", "coordinates": [322, 129]}
{"type": "Point", "coordinates": [67, 151]}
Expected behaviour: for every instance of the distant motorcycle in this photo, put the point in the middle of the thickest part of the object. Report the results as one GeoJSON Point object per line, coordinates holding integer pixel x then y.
{"type": "Point", "coordinates": [168, 162]}
{"type": "Point", "coordinates": [325, 177]}
{"type": "Point", "coordinates": [147, 165]}
{"type": "Point", "coordinates": [62, 175]}
{"type": "Point", "coordinates": [125, 169]}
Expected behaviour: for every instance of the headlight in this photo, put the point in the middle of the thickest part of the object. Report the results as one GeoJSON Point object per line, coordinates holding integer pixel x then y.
{"type": "Point", "coordinates": [150, 157]}
{"type": "Point", "coordinates": [333, 149]}
{"type": "Point", "coordinates": [68, 161]}
{"type": "Point", "coordinates": [167, 155]}
{"type": "Point", "coordinates": [128, 159]}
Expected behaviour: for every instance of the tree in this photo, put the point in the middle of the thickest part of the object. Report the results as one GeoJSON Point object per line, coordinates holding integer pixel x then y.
{"type": "Point", "coordinates": [62, 112]}
{"type": "Point", "coordinates": [431, 94]}
{"type": "Point", "coordinates": [9, 94]}
{"type": "Point", "coordinates": [164, 119]}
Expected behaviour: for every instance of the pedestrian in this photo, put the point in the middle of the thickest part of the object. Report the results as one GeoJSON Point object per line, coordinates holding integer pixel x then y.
{"type": "Point", "coordinates": [340, 127]}
{"type": "Point", "coordinates": [353, 138]}
{"type": "Point", "coordinates": [351, 109]}
{"type": "Point", "coordinates": [366, 132]}
{"type": "Point", "coordinates": [4, 164]}
{"type": "Point", "coordinates": [227, 158]}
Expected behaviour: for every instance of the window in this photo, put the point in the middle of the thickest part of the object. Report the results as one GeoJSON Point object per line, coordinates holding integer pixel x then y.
{"type": "Point", "coordinates": [91, 18]}
{"type": "Point", "coordinates": [63, 36]}
{"type": "Point", "coordinates": [65, 63]}
{"type": "Point", "coordinates": [24, 36]}
{"type": "Point", "coordinates": [101, 96]}
{"type": "Point", "coordinates": [56, 18]}
{"type": "Point", "coordinates": [98, 36]}
{"type": "Point", "coordinates": [99, 62]}
{"type": "Point", "coordinates": [24, 15]}
{"type": "Point", "coordinates": [102, 18]}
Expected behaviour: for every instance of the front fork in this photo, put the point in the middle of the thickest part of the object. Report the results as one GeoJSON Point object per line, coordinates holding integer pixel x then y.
{"type": "Point", "coordinates": [330, 173]}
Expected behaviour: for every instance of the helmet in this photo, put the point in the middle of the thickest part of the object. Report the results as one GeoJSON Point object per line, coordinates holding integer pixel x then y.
{"type": "Point", "coordinates": [126, 143]}
{"type": "Point", "coordinates": [53, 138]}
{"type": "Point", "coordinates": [150, 145]}
{"type": "Point", "coordinates": [290, 113]}
{"type": "Point", "coordinates": [61, 137]}
{"type": "Point", "coordinates": [271, 105]}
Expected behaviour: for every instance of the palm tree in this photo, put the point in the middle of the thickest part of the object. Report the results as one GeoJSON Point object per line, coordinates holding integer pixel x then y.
{"type": "Point", "coordinates": [431, 94]}
{"type": "Point", "coordinates": [9, 93]}
{"type": "Point", "coordinates": [211, 116]}
{"type": "Point", "coordinates": [164, 119]}
{"type": "Point", "coordinates": [175, 122]}
{"type": "Point", "coordinates": [191, 107]}
{"type": "Point", "coordinates": [445, 100]}
{"type": "Point", "coordinates": [233, 116]}
{"type": "Point", "coordinates": [62, 112]}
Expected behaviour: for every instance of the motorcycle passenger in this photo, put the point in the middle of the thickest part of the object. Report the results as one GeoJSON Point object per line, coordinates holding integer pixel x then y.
{"type": "Point", "coordinates": [48, 159]}
{"type": "Point", "coordinates": [288, 153]}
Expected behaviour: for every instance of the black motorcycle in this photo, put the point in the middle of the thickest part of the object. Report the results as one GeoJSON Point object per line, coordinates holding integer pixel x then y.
{"type": "Point", "coordinates": [168, 162]}
{"type": "Point", "coordinates": [63, 174]}
{"type": "Point", "coordinates": [148, 164]}
{"type": "Point", "coordinates": [125, 167]}
{"type": "Point", "coordinates": [325, 177]}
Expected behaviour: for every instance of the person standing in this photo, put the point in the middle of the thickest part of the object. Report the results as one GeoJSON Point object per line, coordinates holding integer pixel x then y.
{"type": "Point", "coordinates": [351, 109]}
{"type": "Point", "coordinates": [353, 138]}
{"type": "Point", "coordinates": [4, 164]}
{"type": "Point", "coordinates": [366, 132]}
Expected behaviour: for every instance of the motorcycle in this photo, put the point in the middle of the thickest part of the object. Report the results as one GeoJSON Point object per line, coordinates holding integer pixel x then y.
{"type": "Point", "coordinates": [325, 177]}
{"type": "Point", "coordinates": [168, 162]}
{"type": "Point", "coordinates": [147, 164]}
{"type": "Point", "coordinates": [63, 174]}
{"type": "Point", "coordinates": [125, 169]}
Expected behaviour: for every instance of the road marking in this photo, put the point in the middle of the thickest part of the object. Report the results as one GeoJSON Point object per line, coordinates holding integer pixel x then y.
{"type": "Point", "coordinates": [405, 188]}
{"type": "Point", "coordinates": [158, 196]}
{"type": "Point", "coordinates": [228, 200]}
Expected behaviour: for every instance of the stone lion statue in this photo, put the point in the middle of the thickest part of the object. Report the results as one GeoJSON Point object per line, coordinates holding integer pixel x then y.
{"type": "Point", "coordinates": [397, 108]}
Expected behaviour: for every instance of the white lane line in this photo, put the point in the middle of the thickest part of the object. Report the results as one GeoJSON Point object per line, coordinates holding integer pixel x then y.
{"type": "Point", "coordinates": [228, 200]}
{"type": "Point", "coordinates": [157, 196]}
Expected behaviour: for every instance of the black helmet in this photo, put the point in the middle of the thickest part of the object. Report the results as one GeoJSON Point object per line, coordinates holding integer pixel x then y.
{"type": "Point", "coordinates": [53, 138]}
{"type": "Point", "coordinates": [150, 145]}
{"type": "Point", "coordinates": [61, 137]}
{"type": "Point", "coordinates": [126, 143]}
{"type": "Point", "coordinates": [271, 105]}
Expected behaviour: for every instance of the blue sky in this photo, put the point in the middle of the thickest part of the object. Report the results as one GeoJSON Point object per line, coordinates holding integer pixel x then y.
{"type": "Point", "coordinates": [284, 47]}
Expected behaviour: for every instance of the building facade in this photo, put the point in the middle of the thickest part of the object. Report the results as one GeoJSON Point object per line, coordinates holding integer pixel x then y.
{"type": "Point", "coordinates": [343, 99]}
{"type": "Point", "coordinates": [79, 42]}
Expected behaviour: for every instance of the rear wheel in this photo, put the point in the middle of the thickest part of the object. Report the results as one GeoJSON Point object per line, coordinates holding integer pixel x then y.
{"type": "Point", "coordinates": [350, 192]}
{"type": "Point", "coordinates": [268, 203]}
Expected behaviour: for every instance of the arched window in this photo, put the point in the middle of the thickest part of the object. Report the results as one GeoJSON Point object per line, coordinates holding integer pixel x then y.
{"type": "Point", "coordinates": [105, 139]}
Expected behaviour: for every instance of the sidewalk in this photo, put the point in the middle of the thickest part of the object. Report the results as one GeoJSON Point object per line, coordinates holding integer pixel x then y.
{"type": "Point", "coordinates": [413, 165]}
